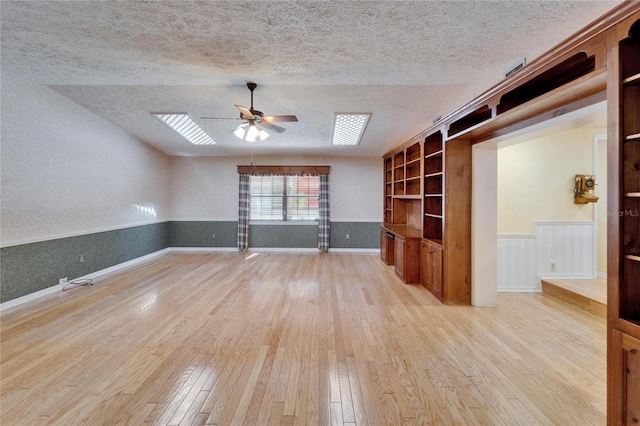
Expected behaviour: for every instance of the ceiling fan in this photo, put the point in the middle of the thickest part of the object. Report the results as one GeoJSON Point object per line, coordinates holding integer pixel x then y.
{"type": "Point", "coordinates": [253, 128]}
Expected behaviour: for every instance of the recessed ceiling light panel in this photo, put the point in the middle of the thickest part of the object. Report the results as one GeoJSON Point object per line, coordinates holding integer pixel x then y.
{"type": "Point", "coordinates": [348, 128]}
{"type": "Point", "coordinates": [186, 127]}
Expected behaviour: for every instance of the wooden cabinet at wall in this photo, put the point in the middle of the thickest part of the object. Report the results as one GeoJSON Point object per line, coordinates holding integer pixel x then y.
{"type": "Point", "coordinates": [386, 247]}
{"type": "Point", "coordinates": [626, 356]}
{"type": "Point", "coordinates": [624, 228]}
{"type": "Point", "coordinates": [407, 258]}
{"type": "Point", "coordinates": [431, 263]}
{"type": "Point", "coordinates": [402, 247]}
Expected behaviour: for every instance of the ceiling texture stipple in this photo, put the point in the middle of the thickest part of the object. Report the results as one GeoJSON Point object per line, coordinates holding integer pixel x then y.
{"type": "Point", "coordinates": [405, 62]}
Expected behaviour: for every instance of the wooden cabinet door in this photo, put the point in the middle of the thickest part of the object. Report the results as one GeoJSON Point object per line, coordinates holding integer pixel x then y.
{"type": "Point", "coordinates": [436, 270]}
{"type": "Point", "coordinates": [383, 246]}
{"type": "Point", "coordinates": [398, 254]}
{"type": "Point", "coordinates": [625, 393]}
{"type": "Point", "coordinates": [425, 264]}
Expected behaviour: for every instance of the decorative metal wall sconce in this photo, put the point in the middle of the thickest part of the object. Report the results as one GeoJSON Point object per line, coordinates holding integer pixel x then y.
{"type": "Point", "coordinates": [584, 185]}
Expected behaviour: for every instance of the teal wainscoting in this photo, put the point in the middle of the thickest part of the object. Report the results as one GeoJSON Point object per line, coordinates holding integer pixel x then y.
{"type": "Point", "coordinates": [361, 235]}
{"type": "Point", "coordinates": [283, 236]}
{"type": "Point", "coordinates": [32, 267]}
{"type": "Point", "coordinates": [28, 268]}
{"type": "Point", "coordinates": [201, 234]}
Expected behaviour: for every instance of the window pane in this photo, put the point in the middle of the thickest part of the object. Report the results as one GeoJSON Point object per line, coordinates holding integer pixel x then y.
{"type": "Point", "coordinates": [268, 197]}
{"type": "Point", "coordinates": [303, 197]}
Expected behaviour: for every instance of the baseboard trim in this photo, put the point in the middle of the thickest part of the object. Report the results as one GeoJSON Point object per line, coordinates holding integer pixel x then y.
{"type": "Point", "coordinates": [602, 275]}
{"type": "Point", "coordinates": [200, 249]}
{"type": "Point", "coordinates": [49, 290]}
{"type": "Point", "coordinates": [273, 249]}
{"type": "Point", "coordinates": [355, 250]}
{"type": "Point", "coordinates": [29, 297]}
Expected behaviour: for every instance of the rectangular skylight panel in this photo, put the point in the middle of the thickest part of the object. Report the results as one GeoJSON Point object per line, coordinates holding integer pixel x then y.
{"type": "Point", "coordinates": [186, 127]}
{"type": "Point", "coordinates": [348, 128]}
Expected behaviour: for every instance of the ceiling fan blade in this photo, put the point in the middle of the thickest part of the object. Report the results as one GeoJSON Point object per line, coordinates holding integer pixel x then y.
{"type": "Point", "coordinates": [281, 118]}
{"type": "Point", "coordinates": [245, 111]}
{"type": "Point", "coordinates": [220, 118]}
{"type": "Point", "coordinates": [270, 126]}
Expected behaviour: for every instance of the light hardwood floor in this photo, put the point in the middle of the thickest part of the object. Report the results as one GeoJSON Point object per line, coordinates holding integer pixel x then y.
{"type": "Point", "coordinates": [273, 338]}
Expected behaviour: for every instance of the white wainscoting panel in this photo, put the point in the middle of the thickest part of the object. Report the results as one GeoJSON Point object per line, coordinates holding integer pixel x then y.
{"type": "Point", "coordinates": [524, 259]}
{"type": "Point", "coordinates": [517, 263]}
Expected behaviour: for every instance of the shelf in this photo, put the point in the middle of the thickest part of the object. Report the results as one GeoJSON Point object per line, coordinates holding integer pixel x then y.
{"type": "Point", "coordinates": [437, 216]}
{"type": "Point", "coordinates": [417, 160]}
{"type": "Point", "coordinates": [433, 184]}
{"type": "Point", "coordinates": [398, 174]}
{"type": "Point", "coordinates": [433, 165]}
{"type": "Point", "coordinates": [413, 153]}
{"type": "Point", "coordinates": [632, 194]}
{"type": "Point", "coordinates": [433, 144]}
{"type": "Point", "coordinates": [433, 174]}
{"type": "Point", "coordinates": [433, 195]}
{"type": "Point", "coordinates": [407, 197]}
{"type": "Point", "coordinates": [633, 322]}
{"type": "Point", "coordinates": [634, 79]}
{"type": "Point", "coordinates": [412, 178]}
{"type": "Point", "coordinates": [470, 120]}
{"type": "Point", "coordinates": [435, 154]}
{"type": "Point", "coordinates": [565, 72]}
{"type": "Point", "coordinates": [432, 227]}
{"type": "Point", "coordinates": [412, 170]}
{"type": "Point", "coordinates": [435, 241]}
{"type": "Point", "coordinates": [433, 206]}
{"type": "Point", "coordinates": [632, 137]}
{"type": "Point", "coordinates": [629, 288]}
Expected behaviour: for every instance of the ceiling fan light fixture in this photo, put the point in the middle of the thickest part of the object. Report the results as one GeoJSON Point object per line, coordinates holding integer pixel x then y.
{"type": "Point", "coordinates": [183, 125]}
{"type": "Point", "coordinates": [250, 132]}
{"type": "Point", "coordinates": [348, 128]}
{"type": "Point", "coordinates": [241, 130]}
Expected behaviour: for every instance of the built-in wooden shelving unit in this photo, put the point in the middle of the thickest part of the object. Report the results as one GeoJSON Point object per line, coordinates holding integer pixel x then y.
{"type": "Point", "coordinates": [433, 187]}
{"type": "Point", "coordinates": [624, 244]}
{"type": "Point", "coordinates": [403, 211]}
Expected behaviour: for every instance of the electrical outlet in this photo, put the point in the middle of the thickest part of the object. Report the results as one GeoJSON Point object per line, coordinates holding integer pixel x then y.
{"type": "Point", "coordinates": [81, 259]}
{"type": "Point", "coordinates": [62, 281]}
{"type": "Point", "coordinates": [347, 236]}
{"type": "Point", "coordinates": [552, 265]}
{"type": "Point", "coordinates": [213, 236]}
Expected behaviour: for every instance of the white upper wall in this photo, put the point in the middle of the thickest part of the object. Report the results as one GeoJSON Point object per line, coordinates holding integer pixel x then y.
{"type": "Point", "coordinates": [536, 180]}
{"type": "Point", "coordinates": [206, 188]}
{"type": "Point", "coordinates": [66, 171]}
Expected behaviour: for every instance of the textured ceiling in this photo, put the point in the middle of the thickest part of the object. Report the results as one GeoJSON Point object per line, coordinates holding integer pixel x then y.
{"type": "Point", "coordinates": [405, 62]}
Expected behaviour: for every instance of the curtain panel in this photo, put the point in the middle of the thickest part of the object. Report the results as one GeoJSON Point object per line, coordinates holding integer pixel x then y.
{"type": "Point", "coordinates": [324, 222]}
{"type": "Point", "coordinates": [244, 209]}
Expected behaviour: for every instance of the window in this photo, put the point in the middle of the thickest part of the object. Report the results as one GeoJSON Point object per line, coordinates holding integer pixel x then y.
{"type": "Point", "coordinates": [285, 198]}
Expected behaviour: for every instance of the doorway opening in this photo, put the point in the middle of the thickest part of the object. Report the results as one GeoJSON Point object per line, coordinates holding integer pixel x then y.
{"type": "Point", "coordinates": [527, 231]}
